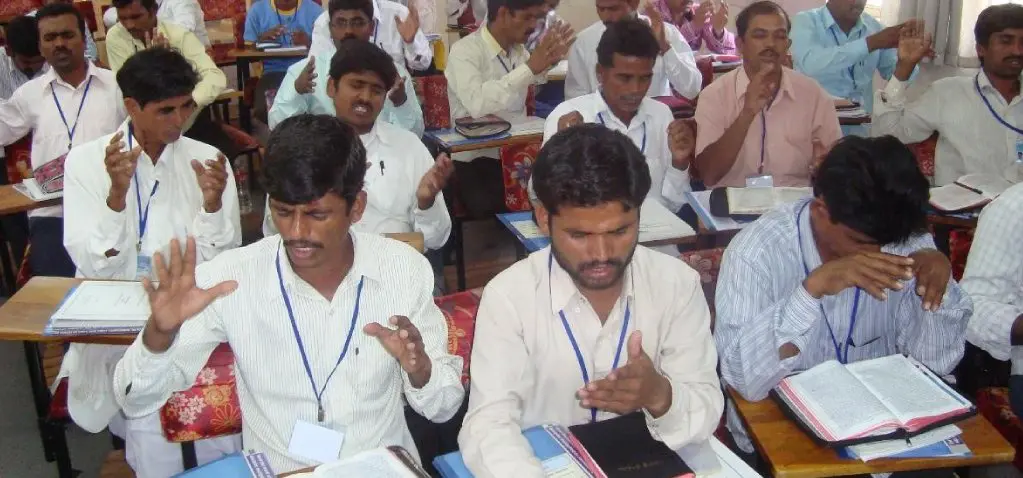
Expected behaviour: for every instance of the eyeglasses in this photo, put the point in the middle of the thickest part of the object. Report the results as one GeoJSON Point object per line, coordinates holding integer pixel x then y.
{"type": "Point", "coordinates": [353, 23]}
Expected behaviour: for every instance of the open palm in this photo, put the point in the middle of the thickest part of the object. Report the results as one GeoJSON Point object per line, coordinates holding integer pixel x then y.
{"type": "Point", "coordinates": [175, 297]}
{"type": "Point", "coordinates": [914, 44]}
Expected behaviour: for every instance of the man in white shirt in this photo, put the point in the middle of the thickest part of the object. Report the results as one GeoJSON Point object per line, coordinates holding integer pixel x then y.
{"type": "Point", "coordinates": [632, 323]}
{"type": "Point", "coordinates": [394, 30]}
{"type": "Point", "coordinates": [675, 67]}
{"type": "Point", "coordinates": [978, 118]}
{"type": "Point", "coordinates": [186, 14]}
{"type": "Point", "coordinates": [72, 103]}
{"type": "Point", "coordinates": [308, 315]}
{"type": "Point", "coordinates": [403, 183]}
{"type": "Point", "coordinates": [490, 72]}
{"type": "Point", "coordinates": [127, 195]}
{"type": "Point", "coordinates": [91, 52]}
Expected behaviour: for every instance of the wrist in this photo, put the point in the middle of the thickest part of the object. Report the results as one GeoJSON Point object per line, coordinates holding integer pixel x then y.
{"type": "Point", "coordinates": [425, 204]}
{"type": "Point", "coordinates": [155, 341]}
{"type": "Point", "coordinates": [115, 199]}
{"type": "Point", "coordinates": [536, 67]}
{"type": "Point", "coordinates": [812, 287]}
{"type": "Point", "coordinates": [660, 401]}
{"type": "Point", "coordinates": [904, 70]}
{"type": "Point", "coordinates": [421, 377]}
{"type": "Point", "coordinates": [212, 206]}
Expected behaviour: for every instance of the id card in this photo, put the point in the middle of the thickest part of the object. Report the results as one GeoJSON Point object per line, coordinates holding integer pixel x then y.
{"type": "Point", "coordinates": [1019, 151]}
{"type": "Point", "coordinates": [765, 181]}
{"type": "Point", "coordinates": [314, 442]}
{"type": "Point", "coordinates": [144, 267]}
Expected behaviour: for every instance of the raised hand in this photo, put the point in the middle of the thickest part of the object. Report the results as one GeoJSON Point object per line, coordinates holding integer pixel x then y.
{"type": "Point", "coordinates": [155, 39]}
{"type": "Point", "coordinates": [120, 167]}
{"type": "Point", "coordinates": [175, 298]}
{"type": "Point", "coordinates": [212, 181]}
{"type": "Point", "coordinates": [932, 271]}
{"type": "Point", "coordinates": [703, 13]}
{"type": "Point", "coordinates": [552, 48]}
{"type": "Point", "coordinates": [635, 386]}
{"type": "Point", "coordinates": [434, 181]}
{"type": "Point", "coordinates": [407, 28]}
{"type": "Point", "coordinates": [657, 24]}
{"type": "Point", "coordinates": [397, 93]}
{"type": "Point", "coordinates": [761, 88]}
{"type": "Point", "coordinates": [914, 43]}
{"type": "Point", "coordinates": [306, 81]}
{"type": "Point", "coordinates": [681, 143]}
{"type": "Point", "coordinates": [569, 120]}
{"type": "Point", "coordinates": [720, 18]}
{"type": "Point", "coordinates": [300, 38]}
{"type": "Point", "coordinates": [404, 343]}
{"type": "Point", "coordinates": [874, 272]}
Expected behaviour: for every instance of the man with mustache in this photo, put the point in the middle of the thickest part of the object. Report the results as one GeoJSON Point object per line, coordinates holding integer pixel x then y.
{"type": "Point", "coordinates": [403, 183]}
{"type": "Point", "coordinates": [625, 61]}
{"type": "Point", "coordinates": [301, 92]}
{"type": "Point", "coordinates": [700, 23]}
{"type": "Point", "coordinates": [763, 124]}
{"type": "Point", "coordinates": [675, 68]}
{"type": "Point", "coordinates": [90, 45]}
{"type": "Point", "coordinates": [594, 326]}
{"type": "Point", "coordinates": [394, 27]}
{"type": "Point", "coordinates": [71, 104]}
{"type": "Point", "coordinates": [127, 194]}
{"type": "Point", "coordinates": [841, 47]}
{"type": "Point", "coordinates": [978, 118]}
{"type": "Point", "coordinates": [186, 14]}
{"type": "Point", "coordinates": [331, 328]}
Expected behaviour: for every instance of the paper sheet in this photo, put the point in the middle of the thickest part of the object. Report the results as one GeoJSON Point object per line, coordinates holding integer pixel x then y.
{"type": "Point", "coordinates": [378, 463]}
{"type": "Point", "coordinates": [528, 229]}
{"type": "Point", "coordinates": [30, 188]}
{"type": "Point", "coordinates": [105, 301]}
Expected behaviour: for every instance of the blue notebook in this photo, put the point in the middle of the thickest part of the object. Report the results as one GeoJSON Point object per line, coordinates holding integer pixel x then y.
{"type": "Point", "coordinates": [547, 447]}
{"type": "Point", "coordinates": [235, 465]}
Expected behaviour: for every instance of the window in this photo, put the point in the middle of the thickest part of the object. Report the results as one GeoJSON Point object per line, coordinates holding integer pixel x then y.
{"type": "Point", "coordinates": [874, 8]}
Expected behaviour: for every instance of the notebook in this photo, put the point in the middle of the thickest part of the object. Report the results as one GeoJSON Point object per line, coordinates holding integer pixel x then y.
{"type": "Point", "coordinates": [235, 465]}
{"type": "Point", "coordinates": [624, 448]}
{"type": "Point", "coordinates": [558, 451]}
{"type": "Point", "coordinates": [879, 399]}
{"type": "Point", "coordinates": [101, 308]}
{"type": "Point", "coordinates": [968, 192]}
{"type": "Point", "coordinates": [30, 188]}
{"type": "Point", "coordinates": [752, 202]}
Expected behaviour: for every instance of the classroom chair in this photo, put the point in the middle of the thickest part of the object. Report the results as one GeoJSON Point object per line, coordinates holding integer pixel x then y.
{"type": "Point", "coordinates": [707, 262]}
{"type": "Point", "coordinates": [13, 8]}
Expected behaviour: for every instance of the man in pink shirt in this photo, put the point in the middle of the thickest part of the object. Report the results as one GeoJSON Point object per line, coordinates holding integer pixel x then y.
{"type": "Point", "coordinates": [699, 23]}
{"type": "Point", "coordinates": [763, 124]}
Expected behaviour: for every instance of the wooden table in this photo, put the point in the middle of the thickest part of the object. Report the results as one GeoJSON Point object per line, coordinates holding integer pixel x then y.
{"type": "Point", "coordinates": [242, 58]}
{"type": "Point", "coordinates": [792, 454]}
{"type": "Point", "coordinates": [13, 202]}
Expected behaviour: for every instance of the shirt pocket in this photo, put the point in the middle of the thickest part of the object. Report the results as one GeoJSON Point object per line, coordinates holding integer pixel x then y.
{"type": "Point", "coordinates": [389, 191]}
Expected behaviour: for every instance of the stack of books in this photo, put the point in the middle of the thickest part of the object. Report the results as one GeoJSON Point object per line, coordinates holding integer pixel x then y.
{"type": "Point", "coordinates": [942, 442]}
{"type": "Point", "coordinates": [101, 308]}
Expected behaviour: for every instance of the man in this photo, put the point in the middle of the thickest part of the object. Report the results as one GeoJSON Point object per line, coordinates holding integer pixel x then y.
{"type": "Point", "coordinates": [127, 195]}
{"type": "Point", "coordinates": [675, 67]}
{"type": "Point", "coordinates": [300, 91]}
{"type": "Point", "coordinates": [626, 56]}
{"type": "Point", "coordinates": [186, 14]}
{"type": "Point", "coordinates": [395, 29]}
{"type": "Point", "coordinates": [700, 23]}
{"type": "Point", "coordinates": [543, 25]}
{"type": "Point", "coordinates": [90, 45]}
{"type": "Point", "coordinates": [762, 124]}
{"type": "Point", "coordinates": [72, 103]}
{"type": "Point", "coordinates": [403, 183]}
{"type": "Point", "coordinates": [851, 274]}
{"type": "Point", "coordinates": [596, 292]}
{"type": "Point", "coordinates": [841, 47]}
{"type": "Point", "coordinates": [287, 23]}
{"type": "Point", "coordinates": [978, 118]}
{"type": "Point", "coordinates": [332, 292]}
{"type": "Point", "coordinates": [21, 60]}
{"type": "Point", "coordinates": [489, 72]}
{"type": "Point", "coordinates": [139, 27]}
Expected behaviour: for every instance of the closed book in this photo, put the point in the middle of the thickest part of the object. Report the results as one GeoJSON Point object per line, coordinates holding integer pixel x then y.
{"type": "Point", "coordinates": [624, 448]}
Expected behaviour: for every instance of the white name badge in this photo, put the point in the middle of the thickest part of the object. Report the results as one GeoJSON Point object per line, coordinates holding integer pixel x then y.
{"type": "Point", "coordinates": [314, 442]}
{"type": "Point", "coordinates": [765, 181]}
{"type": "Point", "coordinates": [1019, 151]}
{"type": "Point", "coordinates": [144, 267]}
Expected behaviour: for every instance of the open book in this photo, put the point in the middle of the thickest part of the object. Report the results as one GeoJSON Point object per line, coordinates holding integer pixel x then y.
{"type": "Point", "coordinates": [30, 188]}
{"type": "Point", "coordinates": [968, 192]}
{"type": "Point", "coordinates": [883, 398]}
{"type": "Point", "coordinates": [390, 462]}
{"type": "Point", "coordinates": [757, 201]}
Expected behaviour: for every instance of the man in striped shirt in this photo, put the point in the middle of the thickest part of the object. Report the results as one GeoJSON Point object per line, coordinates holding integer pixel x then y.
{"type": "Point", "coordinates": [21, 60]}
{"type": "Point", "coordinates": [851, 274]}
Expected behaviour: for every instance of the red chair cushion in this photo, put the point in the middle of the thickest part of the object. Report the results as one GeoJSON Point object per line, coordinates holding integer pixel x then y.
{"type": "Point", "coordinates": [13, 8]}
{"type": "Point", "coordinates": [460, 313]}
{"type": "Point", "coordinates": [959, 242]}
{"type": "Point", "coordinates": [210, 408]}
{"type": "Point", "coordinates": [19, 159]}
{"type": "Point", "coordinates": [993, 403]}
{"type": "Point", "coordinates": [433, 96]}
{"type": "Point", "coordinates": [88, 13]}
{"type": "Point", "coordinates": [707, 263]}
{"type": "Point", "coordinates": [706, 67]}
{"type": "Point", "coordinates": [58, 403]}
{"type": "Point", "coordinates": [924, 152]}
{"type": "Point", "coordinates": [516, 166]}
{"type": "Point", "coordinates": [214, 10]}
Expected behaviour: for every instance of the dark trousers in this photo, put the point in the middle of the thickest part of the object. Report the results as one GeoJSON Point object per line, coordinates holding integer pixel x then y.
{"type": "Point", "coordinates": [1016, 394]}
{"type": "Point", "coordinates": [208, 131]}
{"type": "Point", "coordinates": [435, 439]}
{"type": "Point", "coordinates": [481, 187]}
{"type": "Point", "coordinates": [48, 257]}
{"type": "Point", "coordinates": [14, 230]}
{"type": "Point", "coordinates": [269, 81]}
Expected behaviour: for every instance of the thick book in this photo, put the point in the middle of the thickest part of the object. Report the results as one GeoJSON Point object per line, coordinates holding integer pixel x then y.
{"type": "Point", "coordinates": [560, 454]}
{"type": "Point", "coordinates": [101, 308]}
{"type": "Point", "coordinates": [750, 203]}
{"type": "Point", "coordinates": [624, 448]}
{"type": "Point", "coordinates": [968, 192]}
{"type": "Point", "coordinates": [879, 399]}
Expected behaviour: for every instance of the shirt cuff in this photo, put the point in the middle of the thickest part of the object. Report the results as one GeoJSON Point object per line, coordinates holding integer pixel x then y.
{"type": "Point", "coordinates": [797, 316]}
{"type": "Point", "coordinates": [521, 77]}
{"type": "Point", "coordinates": [419, 397]}
{"type": "Point", "coordinates": [211, 224]}
{"type": "Point", "coordinates": [112, 226]}
{"type": "Point", "coordinates": [672, 420]}
{"type": "Point", "coordinates": [894, 93]}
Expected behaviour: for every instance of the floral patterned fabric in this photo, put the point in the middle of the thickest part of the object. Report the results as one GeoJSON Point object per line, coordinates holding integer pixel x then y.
{"type": "Point", "coordinates": [18, 159]}
{"type": "Point", "coordinates": [924, 152]}
{"type": "Point", "coordinates": [708, 264]}
{"type": "Point", "coordinates": [210, 408]}
{"type": "Point", "coordinates": [516, 166]}
{"type": "Point", "coordinates": [993, 403]}
{"type": "Point", "coordinates": [433, 96]}
{"type": "Point", "coordinates": [460, 313]}
{"type": "Point", "coordinates": [214, 10]}
{"type": "Point", "coordinates": [959, 242]}
{"type": "Point", "coordinates": [12, 8]}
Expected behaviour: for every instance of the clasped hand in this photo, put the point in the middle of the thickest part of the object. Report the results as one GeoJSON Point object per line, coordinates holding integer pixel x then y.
{"type": "Point", "coordinates": [637, 385]}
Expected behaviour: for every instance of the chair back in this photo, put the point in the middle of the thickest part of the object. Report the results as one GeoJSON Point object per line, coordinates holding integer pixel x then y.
{"type": "Point", "coordinates": [13, 8]}
{"type": "Point", "coordinates": [18, 159]}
{"type": "Point", "coordinates": [707, 263]}
{"type": "Point", "coordinates": [210, 408]}
{"type": "Point", "coordinates": [924, 152]}
{"type": "Point", "coordinates": [516, 167]}
{"type": "Point", "coordinates": [459, 311]}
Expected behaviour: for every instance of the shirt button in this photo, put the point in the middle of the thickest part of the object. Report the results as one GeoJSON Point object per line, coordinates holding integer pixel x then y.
{"type": "Point", "coordinates": [578, 310]}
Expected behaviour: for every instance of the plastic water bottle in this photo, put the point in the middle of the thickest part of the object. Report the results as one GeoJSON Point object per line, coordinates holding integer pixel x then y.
{"type": "Point", "coordinates": [241, 179]}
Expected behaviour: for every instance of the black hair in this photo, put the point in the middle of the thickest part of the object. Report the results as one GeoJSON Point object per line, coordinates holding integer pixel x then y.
{"type": "Point", "coordinates": [874, 186]}
{"type": "Point", "coordinates": [511, 5]}
{"type": "Point", "coordinates": [764, 7]}
{"type": "Point", "coordinates": [627, 37]}
{"type": "Point", "coordinates": [997, 18]}
{"type": "Point", "coordinates": [59, 10]}
{"type": "Point", "coordinates": [156, 74]}
{"type": "Point", "coordinates": [149, 5]}
{"type": "Point", "coordinates": [22, 35]}
{"type": "Point", "coordinates": [308, 156]}
{"type": "Point", "coordinates": [365, 6]}
{"type": "Point", "coordinates": [357, 56]}
{"type": "Point", "coordinates": [589, 165]}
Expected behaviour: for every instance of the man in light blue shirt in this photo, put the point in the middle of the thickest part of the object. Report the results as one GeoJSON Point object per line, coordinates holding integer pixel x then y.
{"type": "Point", "coordinates": [288, 23]}
{"type": "Point", "coordinates": [841, 47]}
{"type": "Point", "coordinates": [304, 89]}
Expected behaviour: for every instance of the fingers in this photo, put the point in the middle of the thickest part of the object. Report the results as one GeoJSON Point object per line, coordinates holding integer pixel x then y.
{"type": "Point", "coordinates": [188, 267]}
{"type": "Point", "coordinates": [222, 289]}
{"type": "Point", "coordinates": [199, 170]}
{"type": "Point", "coordinates": [635, 346]}
{"type": "Point", "coordinates": [376, 330]}
{"type": "Point", "coordinates": [160, 265]}
{"type": "Point", "coordinates": [175, 260]}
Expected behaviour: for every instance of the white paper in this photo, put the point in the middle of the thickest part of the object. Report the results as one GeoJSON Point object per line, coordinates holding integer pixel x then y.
{"type": "Point", "coordinates": [376, 463]}
{"type": "Point", "coordinates": [315, 442]}
{"type": "Point", "coordinates": [657, 223]}
{"type": "Point", "coordinates": [30, 188]}
{"type": "Point", "coordinates": [285, 49]}
{"type": "Point", "coordinates": [843, 404]}
{"type": "Point", "coordinates": [521, 126]}
{"type": "Point", "coordinates": [762, 200]}
{"type": "Point", "coordinates": [106, 301]}
{"type": "Point", "coordinates": [953, 197]}
{"type": "Point", "coordinates": [528, 229]}
{"type": "Point", "coordinates": [989, 186]}
{"type": "Point", "coordinates": [883, 448]}
{"type": "Point", "coordinates": [700, 201]}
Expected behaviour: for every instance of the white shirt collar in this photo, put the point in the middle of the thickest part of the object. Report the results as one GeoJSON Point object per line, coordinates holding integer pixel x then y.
{"type": "Point", "coordinates": [604, 110]}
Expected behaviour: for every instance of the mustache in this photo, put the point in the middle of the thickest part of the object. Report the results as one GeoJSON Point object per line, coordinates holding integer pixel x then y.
{"type": "Point", "coordinates": [363, 104]}
{"type": "Point", "coordinates": [609, 263]}
{"type": "Point", "coordinates": [303, 243]}
{"type": "Point", "coordinates": [62, 50]}
{"type": "Point", "coordinates": [1010, 58]}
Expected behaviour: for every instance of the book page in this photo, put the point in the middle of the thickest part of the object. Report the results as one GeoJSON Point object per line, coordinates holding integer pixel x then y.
{"type": "Point", "coordinates": [750, 200]}
{"type": "Point", "coordinates": [657, 223]}
{"type": "Point", "coordinates": [791, 195]}
{"type": "Point", "coordinates": [836, 398]}
{"type": "Point", "coordinates": [378, 463]}
{"type": "Point", "coordinates": [953, 197]}
{"type": "Point", "coordinates": [109, 301]}
{"type": "Point", "coordinates": [905, 390]}
{"type": "Point", "coordinates": [990, 186]}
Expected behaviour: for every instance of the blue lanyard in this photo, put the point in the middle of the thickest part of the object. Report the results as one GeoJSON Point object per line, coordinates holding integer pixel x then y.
{"type": "Point", "coordinates": [71, 129]}
{"type": "Point", "coordinates": [852, 68]}
{"type": "Point", "coordinates": [575, 345]}
{"type": "Point", "coordinates": [976, 83]}
{"type": "Point", "coordinates": [506, 69]}
{"type": "Point", "coordinates": [840, 353]}
{"type": "Point", "coordinates": [280, 20]}
{"type": "Point", "coordinates": [143, 216]}
{"type": "Point", "coordinates": [301, 347]}
{"type": "Point", "coordinates": [642, 148]}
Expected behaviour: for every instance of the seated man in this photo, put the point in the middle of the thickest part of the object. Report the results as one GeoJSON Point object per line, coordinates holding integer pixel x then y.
{"type": "Point", "coordinates": [994, 280]}
{"type": "Point", "coordinates": [979, 118]}
{"type": "Point", "coordinates": [700, 23]}
{"type": "Point", "coordinates": [763, 124]}
{"type": "Point", "coordinates": [523, 369]}
{"type": "Point", "coordinates": [626, 56]}
{"type": "Point", "coordinates": [284, 22]}
{"type": "Point", "coordinates": [850, 274]}
{"type": "Point", "coordinates": [675, 68]}
{"type": "Point", "coordinates": [90, 45]}
{"type": "Point", "coordinates": [140, 28]}
{"type": "Point", "coordinates": [333, 292]}
{"type": "Point", "coordinates": [127, 194]}
{"type": "Point", "coordinates": [300, 91]}
{"type": "Point", "coordinates": [395, 29]}
{"type": "Point", "coordinates": [186, 14]}
{"type": "Point", "coordinates": [549, 21]}
{"type": "Point", "coordinates": [490, 72]}
{"type": "Point", "coordinates": [403, 183]}
{"type": "Point", "coordinates": [72, 103]}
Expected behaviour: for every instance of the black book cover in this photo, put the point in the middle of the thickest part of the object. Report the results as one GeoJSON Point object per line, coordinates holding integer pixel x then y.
{"type": "Point", "coordinates": [624, 448]}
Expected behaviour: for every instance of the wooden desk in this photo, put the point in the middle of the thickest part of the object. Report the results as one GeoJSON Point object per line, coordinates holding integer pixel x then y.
{"type": "Point", "coordinates": [13, 202]}
{"type": "Point", "coordinates": [242, 58]}
{"type": "Point", "coordinates": [24, 316]}
{"type": "Point", "coordinates": [853, 121]}
{"type": "Point", "coordinates": [954, 221]}
{"type": "Point", "coordinates": [484, 144]}
{"type": "Point", "coordinates": [792, 454]}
